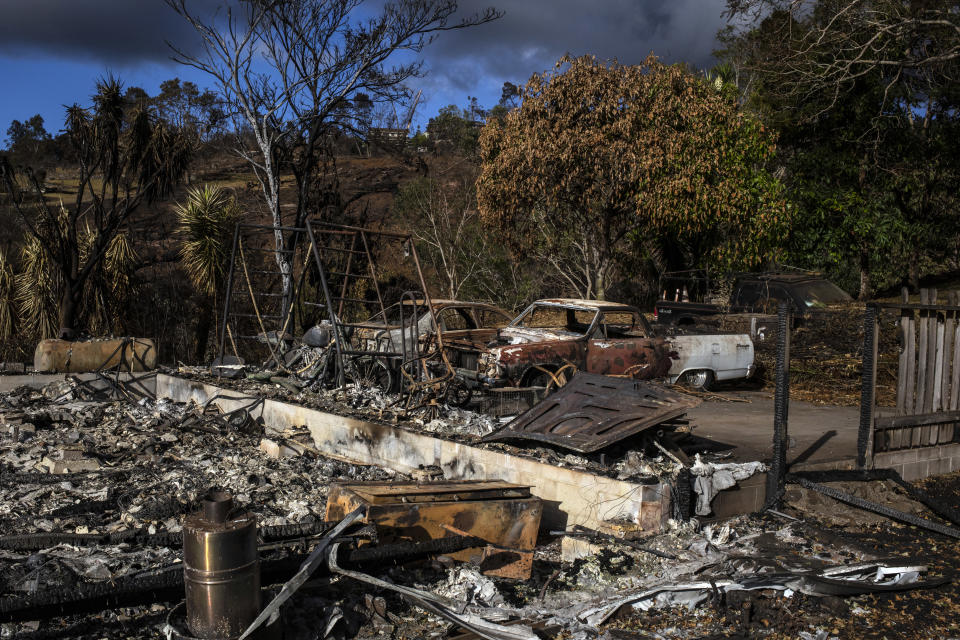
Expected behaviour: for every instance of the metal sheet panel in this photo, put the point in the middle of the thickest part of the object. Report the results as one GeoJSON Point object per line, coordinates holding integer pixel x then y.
{"type": "Point", "coordinates": [503, 514]}
{"type": "Point", "coordinates": [593, 411]}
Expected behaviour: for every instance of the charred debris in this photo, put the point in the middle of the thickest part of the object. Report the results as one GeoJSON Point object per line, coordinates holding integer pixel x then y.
{"type": "Point", "coordinates": [105, 545]}
{"type": "Point", "coordinates": [125, 515]}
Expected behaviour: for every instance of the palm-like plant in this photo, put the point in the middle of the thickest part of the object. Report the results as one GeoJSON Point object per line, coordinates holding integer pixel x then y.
{"type": "Point", "coordinates": [8, 307]}
{"type": "Point", "coordinates": [111, 286]}
{"type": "Point", "coordinates": [206, 227]}
{"type": "Point", "coordinates": [207, 221]}
{"type": "Point", "coordinates": [37, 290]}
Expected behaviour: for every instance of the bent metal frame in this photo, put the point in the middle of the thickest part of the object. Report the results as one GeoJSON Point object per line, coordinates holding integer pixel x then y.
{"type": "Point", "coordinates": [345, 266]}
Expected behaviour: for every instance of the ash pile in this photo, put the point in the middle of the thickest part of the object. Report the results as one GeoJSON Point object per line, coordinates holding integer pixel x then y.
{"type": "Point", "coordinates": [95, 492]}
{"type": "Point", "coordinates": [98, 496]}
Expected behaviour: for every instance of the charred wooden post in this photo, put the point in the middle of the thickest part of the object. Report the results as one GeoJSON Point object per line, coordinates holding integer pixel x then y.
{"type": "Point", "coordinates": [781, 408]}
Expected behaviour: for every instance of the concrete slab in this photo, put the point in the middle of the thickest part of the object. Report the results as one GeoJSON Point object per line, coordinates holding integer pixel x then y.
{"type": "Point", "coordinates": [570, 496]}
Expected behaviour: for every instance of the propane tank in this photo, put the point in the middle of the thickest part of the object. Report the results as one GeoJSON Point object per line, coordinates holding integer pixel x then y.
{"type": "Point", "coordinates": [221, 569]}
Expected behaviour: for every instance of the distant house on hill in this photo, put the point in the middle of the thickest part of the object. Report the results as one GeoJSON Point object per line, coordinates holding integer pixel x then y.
{"type": "Point", "coordinates": [386, 136]}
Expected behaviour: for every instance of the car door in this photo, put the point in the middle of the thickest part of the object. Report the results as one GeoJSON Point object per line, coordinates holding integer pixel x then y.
{"type": "Point", "coordinates": [748, 296]}
{"type": "Point", "coordinates": [620, 344]}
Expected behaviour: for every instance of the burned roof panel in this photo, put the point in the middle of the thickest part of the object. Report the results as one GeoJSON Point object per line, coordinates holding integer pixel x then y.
{"type": "Point", "coordinates": [593, 305]}
{"type": "Point", "coordinates": [594, 411]}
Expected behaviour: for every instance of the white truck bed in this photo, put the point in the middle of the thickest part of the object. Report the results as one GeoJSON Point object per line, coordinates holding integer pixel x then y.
{"type": "Point", "coordinates": [706, 358]}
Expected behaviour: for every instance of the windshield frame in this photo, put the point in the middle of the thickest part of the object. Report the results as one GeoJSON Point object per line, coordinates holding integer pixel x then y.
{"type": "Point", "coordinates": [802, 292]}
{"type": "Point", "coordinates": [515, 324]}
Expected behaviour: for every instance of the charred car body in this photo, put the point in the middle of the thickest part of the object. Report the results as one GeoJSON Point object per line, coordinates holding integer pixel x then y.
{"type": "Point", "coordinates": [410, 327]}
{"type": "Point", "coordinates": [554, 335]}
{"type": "Point", "coordinates": [553, 338]}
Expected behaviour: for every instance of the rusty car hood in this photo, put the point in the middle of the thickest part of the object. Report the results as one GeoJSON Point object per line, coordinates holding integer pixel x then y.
{"type": "Point", "coordinates": [594, 411]}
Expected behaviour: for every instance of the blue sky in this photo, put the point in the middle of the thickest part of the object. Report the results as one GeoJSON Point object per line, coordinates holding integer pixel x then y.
{"type": "Point", "coordinates": [53, 51]}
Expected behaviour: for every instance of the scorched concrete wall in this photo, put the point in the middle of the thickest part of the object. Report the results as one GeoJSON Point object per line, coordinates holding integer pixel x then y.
{"type": "Point", "coordinates": [570, 496]}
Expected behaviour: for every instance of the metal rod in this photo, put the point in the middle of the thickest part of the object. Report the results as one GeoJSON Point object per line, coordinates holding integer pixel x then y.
{"type": "Point", "coordinates": [868, 385]}
{"type": "Point", "coordinates": [338, 348]}
{"type": "Point", "coordinates": [373, 274]}
{"type": "Point", "coordinates": [229, 291]}
{"type": "Point", "coordinates": [346, 280]}
{"type": "Point", "coordinates": [269, 227]}
{"type": "Point", "coordinates": [781, 408]}
{"type": "Point", "coordinates": [330, 226]}
{"type": "Point", "coordinates": [429, 302]}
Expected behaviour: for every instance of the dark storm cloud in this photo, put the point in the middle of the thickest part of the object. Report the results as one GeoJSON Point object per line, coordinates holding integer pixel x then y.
{"type": "Point", "coordinates": [115, 32]}
{"type": "Point", "coordinates": [529, 38]}
{"type": "Point", "coordinates": [535, 33]}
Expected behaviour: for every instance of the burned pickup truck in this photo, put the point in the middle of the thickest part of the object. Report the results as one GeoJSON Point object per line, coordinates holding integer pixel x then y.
{"type": "Point", "coordinates": [563, 335]}
{"type": "Point", "coordinates": [553, 338]}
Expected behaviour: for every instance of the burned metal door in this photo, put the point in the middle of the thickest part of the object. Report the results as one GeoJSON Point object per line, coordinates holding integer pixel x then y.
{"type": "Point", "coordinates": [620, 345]}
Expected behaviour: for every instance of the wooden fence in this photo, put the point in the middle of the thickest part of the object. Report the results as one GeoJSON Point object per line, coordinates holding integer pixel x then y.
{"type": "Point", "coordinates": [928, 374]}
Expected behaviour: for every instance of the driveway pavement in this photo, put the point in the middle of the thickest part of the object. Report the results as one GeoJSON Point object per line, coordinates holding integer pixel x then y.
{"type": "Point", "coordinates": [744, 426]}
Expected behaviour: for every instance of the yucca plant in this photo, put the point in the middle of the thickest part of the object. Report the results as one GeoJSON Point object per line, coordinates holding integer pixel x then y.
{"type": "Point", "coordinates": [8, 305]}
{"type": "Point", "coordinates": [207, 221]}
{"type": "Point", "coordinates": [37, 290]}
{"type": "Point", "coordinates": [110, 288]}
{"type": "Point", "coordinates": [125, 159]}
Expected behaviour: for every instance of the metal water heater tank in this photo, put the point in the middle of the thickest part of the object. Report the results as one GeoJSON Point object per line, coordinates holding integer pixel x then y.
{"type": "Point", "coordinates": [221, 569]}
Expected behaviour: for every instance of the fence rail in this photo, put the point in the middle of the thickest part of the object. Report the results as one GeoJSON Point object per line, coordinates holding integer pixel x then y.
{"type": "Point", "coordinates": [928, 375]}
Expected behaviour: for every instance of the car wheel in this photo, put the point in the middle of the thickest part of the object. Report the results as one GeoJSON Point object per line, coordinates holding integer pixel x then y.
{"type": "Point", "coordinates": [701, 379]}
{"type": "Point", "coordinates": [458, 394]}
{"type": "Point", "coordinates": [372, 373]}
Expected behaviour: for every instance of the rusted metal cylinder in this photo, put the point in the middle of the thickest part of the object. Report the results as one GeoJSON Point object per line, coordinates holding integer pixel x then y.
{"type": "Point", "coordinates": [221, 569]}
{"type": "Point", "coordinates": [127, 354]}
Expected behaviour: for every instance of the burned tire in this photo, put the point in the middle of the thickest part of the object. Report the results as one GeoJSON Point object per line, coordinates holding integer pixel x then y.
{"type": "Point", "coordinates": [458, 394]}
{"type": "Point", "coordinates": [372, 373]}
{"type": "Point", "coordinates": [701, 379]}
{"type": "Point", "coordinates": [548, 378]}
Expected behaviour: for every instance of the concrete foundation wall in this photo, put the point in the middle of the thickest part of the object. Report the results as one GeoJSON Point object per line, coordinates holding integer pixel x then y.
{"type": "Point", "coordinates": [916, 464]}
{"type": "Point", "coordinates": [570, 496]}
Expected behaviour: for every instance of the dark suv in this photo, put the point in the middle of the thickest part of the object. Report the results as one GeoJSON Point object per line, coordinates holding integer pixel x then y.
{"type": "Point", "coordinates": [759, 293]}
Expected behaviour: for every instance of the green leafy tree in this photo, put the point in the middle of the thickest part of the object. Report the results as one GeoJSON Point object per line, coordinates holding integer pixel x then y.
{"type": "Point", "coordinates": [27, 138]}
{"type": "Point", "coordinates": [510, 95]}
{"type": "Point", "coordinates": [197, 113]}
{"type": "Point", "coordinates": [600, 158]}
{"type": "Point", "coordinates": [817, 50]}
{"type": "Point", "coordinates": [454, 129]}
{"type": "Point", "coordinates": [866, 142]}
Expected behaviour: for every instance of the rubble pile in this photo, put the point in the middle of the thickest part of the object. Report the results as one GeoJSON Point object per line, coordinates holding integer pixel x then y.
{"type": "Point", "coordinates": [84, 482]}
{"type": "Point", "coordinates": [93, 496]}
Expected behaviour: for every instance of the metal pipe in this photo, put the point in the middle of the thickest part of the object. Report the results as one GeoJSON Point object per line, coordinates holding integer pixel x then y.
{"type": "Point", "coordinates": [868, 386]}
{"type": "Point", "coordinates": [228, 293]}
